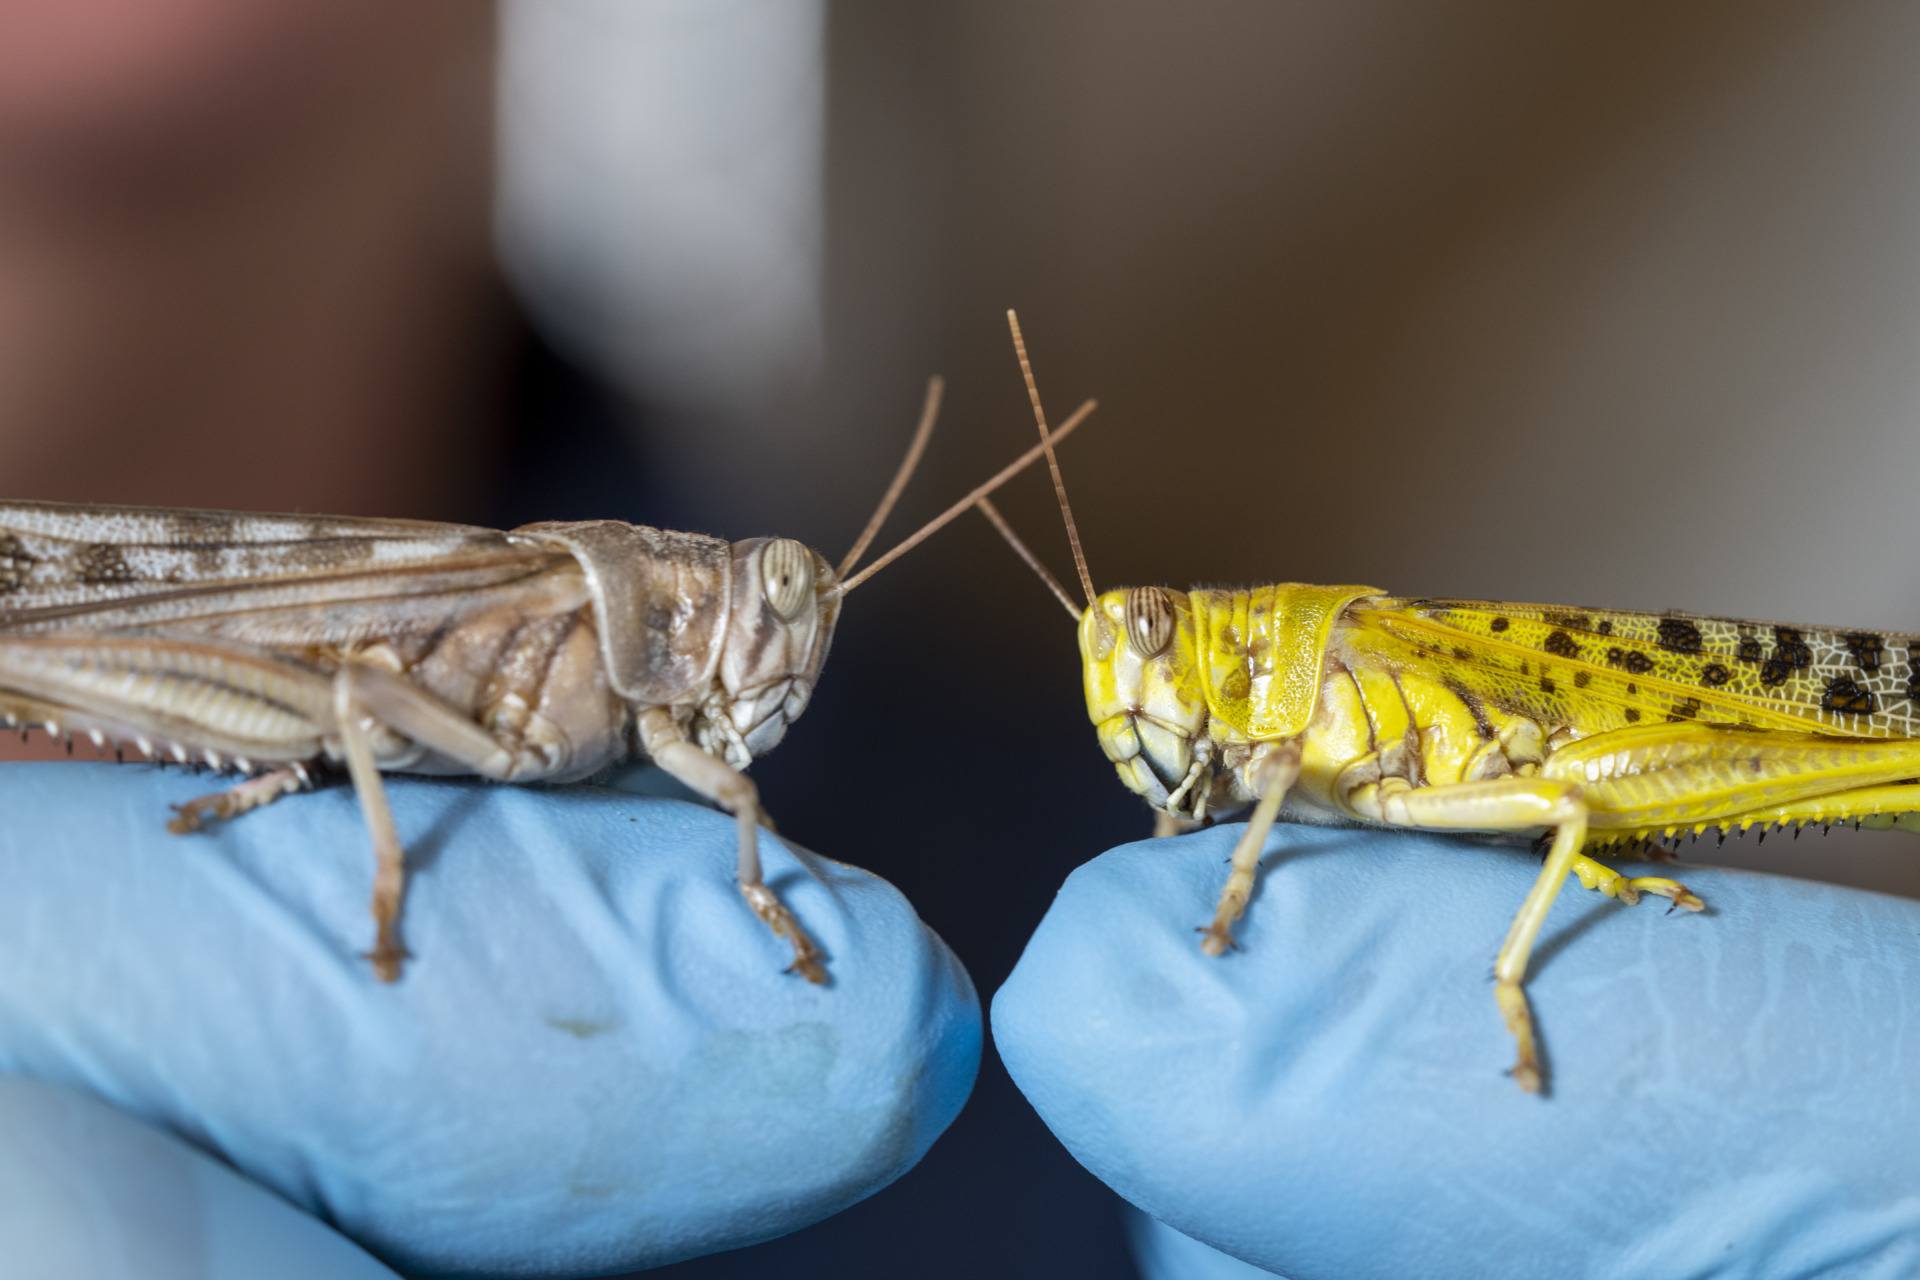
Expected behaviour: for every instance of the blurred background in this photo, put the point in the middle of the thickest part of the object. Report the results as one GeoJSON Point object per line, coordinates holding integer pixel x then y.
{"type": "Point", "coordinates": [1601, 304]}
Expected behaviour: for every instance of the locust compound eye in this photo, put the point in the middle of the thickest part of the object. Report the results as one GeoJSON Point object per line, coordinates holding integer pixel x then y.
{"type": "Point", "coordinates": [786, 572]}
{"type": "Point", "coordinates": [1149, 621]}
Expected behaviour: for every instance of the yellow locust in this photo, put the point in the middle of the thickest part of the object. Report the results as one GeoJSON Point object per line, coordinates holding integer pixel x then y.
{"type": "Point", "coordinates": [1587, 727]}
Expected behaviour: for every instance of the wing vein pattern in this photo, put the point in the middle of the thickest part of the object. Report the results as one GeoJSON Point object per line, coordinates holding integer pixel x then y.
{"type": "Point", "coordinates": [1604, 669]}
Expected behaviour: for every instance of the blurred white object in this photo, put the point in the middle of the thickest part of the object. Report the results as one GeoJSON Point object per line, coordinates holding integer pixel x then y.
{"type": "Point", "coordinates": [661, 195]}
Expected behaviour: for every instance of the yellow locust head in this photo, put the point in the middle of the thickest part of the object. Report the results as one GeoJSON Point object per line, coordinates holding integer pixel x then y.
{"type": "Point", "coordinates": [1145, 695]}
{"type": "Point", "coordinates": [1139, 658]}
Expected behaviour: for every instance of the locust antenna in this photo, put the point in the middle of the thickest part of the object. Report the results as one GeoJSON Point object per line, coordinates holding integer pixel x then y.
{"type": "Point", "coordinates": [959, 508]}
{"type": "Point", "coordinates": [921, 434]}
{"type": "Point", "coordinates": [1053, 463]}
{"type": "Point", "coordinates": [998, 521]}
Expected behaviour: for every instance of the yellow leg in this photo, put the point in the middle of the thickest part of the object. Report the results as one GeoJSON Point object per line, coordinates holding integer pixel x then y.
{"type": "Point", "coordinates": [1507, 804]}
{"type": "Point", "coordinates": [1273, 777]}
{"type": "Point", "coordinates": [1603, 878]}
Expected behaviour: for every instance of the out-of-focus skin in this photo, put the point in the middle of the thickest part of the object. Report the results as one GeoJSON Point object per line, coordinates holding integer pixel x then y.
{"type": "Point", "coordinates": [246, 252]}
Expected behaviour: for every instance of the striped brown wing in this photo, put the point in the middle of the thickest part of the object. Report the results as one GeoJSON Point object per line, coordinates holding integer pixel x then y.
{"type": "Point", "coordinates": [65, 567]}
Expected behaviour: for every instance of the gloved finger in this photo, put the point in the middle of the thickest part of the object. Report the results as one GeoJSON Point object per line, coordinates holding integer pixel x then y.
{"type": "Point", "coordinates": [1731, 1093]}
{"type": "Point", "coordinates": [89, 1193]}
{"type": "Point", "coordinates": [1161, 1253]}
{"type": "Point", "coordinates": [593, 1061]}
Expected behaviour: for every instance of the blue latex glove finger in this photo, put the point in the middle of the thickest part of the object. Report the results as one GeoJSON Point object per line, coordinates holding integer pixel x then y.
{"type": "Point", "coordinates": [593, 1062]}
{"type": "Point", "coordinates": [89, 1193]}
{"type": "Point", "coordinates": [1733, 1094]}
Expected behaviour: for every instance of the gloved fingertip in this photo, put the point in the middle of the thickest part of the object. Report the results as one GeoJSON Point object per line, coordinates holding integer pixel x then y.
{"type": "Point", "coordinates": [89, 1193]}
{"type": "Point", "coordinates": [1331, 1098]}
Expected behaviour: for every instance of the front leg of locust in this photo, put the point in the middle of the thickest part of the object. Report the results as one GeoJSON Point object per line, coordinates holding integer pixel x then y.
{"type": "Point", "coordinates": [735, 792]}
{"type": "Point", "coordinates": [1273, 776]}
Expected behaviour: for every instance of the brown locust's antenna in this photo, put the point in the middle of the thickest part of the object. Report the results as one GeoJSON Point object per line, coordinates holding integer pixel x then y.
{"type": "Point", "coordinates": [959, 508]}
{"type": "Point", "coordinates": [1053, 463]}
{"type": "Point", "coordinates": [921, 434]}
{"type": "Point", "coordinates": [998, 521]}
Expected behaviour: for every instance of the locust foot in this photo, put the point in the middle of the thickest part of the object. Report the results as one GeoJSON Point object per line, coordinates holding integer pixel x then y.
{"type": "Point", "coordinates": [1682, 898]}
{"type": "Point", "coordinates": [1604, 879]}
{"type": "Point", "coordinates": [1519, 1019]}
{"type": "Point", "coordinates": [387, 956]}
{"type": "Point", "coordinates": [189, 817]}
{"type": "Point", "coordinates": [774, 914]}
{"type": "Point", "coordinates": [1216, 939]}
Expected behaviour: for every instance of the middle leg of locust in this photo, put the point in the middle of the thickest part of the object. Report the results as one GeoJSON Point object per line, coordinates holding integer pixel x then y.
{"type": "Point", "coordinates": [1274, 776]}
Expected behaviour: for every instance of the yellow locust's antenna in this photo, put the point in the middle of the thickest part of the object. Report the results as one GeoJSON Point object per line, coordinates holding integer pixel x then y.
{"type": "Point", "coordinates": [1053, 463]}
{"type": "Point", "coordinates": [929, 412]}
{"type": "Point", "coordinates": [959, 508]}
{"type": "Point", "coordinates": [998, 521]}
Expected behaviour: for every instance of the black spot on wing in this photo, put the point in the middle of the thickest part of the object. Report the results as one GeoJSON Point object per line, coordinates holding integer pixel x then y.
{"type": "Point", "coordinates": [1561, 645]}
{"type": "Point", "coordinates": [1750, 650]}
{"type": "Point", "coordinates": [1845, 694]}
{"type": "Point", "coordinates": [1790, 654]}
{"type": "Point", "coordinates": [102, 563]}
{"type": "Point", "coordinates": [1714, 675]}
{"type": "Point", "coordinates": [1679, 635]}
{"type": "Point", "coordinates": [1500, 624]}
{"type": "Point", "coordinates": [16, 562]}
{"type": "Point", "coordinates": [1791, 647]}
{"type": "Point", "coordinates": [1867, 649]}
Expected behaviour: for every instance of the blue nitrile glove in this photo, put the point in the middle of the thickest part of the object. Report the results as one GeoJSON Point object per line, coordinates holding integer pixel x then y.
{"type": "Point", "coordinates": [592, 1063]}
{"type": "Point", "coordinates": [1732, 1094]}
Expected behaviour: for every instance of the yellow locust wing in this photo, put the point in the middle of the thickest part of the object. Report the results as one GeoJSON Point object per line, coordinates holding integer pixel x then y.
{"type": "Point", "coordinates": [1597, 669]}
